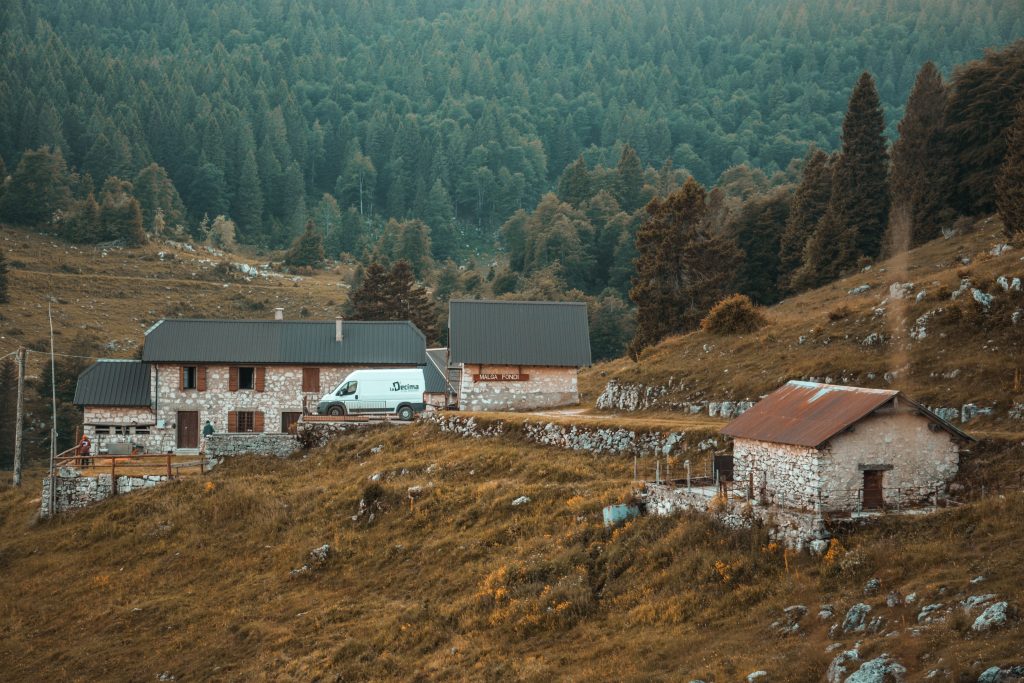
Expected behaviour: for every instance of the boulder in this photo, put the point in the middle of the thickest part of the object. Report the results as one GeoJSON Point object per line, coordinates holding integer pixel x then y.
{"type": "Point", "coordinates": [872, 587]}
{"type": "Point", "coordinates": [854, 622]}
{"type": "Point", "coordinates": [992, 618]}
{"type": "Point", "coordinates": [840, 666]}
{"type": "Point", "coordinates": [927, 612]}
{"type": "Point", "coordinates": [995, 674]}
{"type": "Point", "coordinates": [859, 289]}
{"type": "Point", "coordinates": [521, 500]}
{"type": "Point", "coordinates": [881, 669]}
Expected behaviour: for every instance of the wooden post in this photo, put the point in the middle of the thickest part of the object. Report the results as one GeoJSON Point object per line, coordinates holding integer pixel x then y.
{"type": "Point", "coordinates": [168, 466]}
{"type": "Point", "coordinates": [19, 421]}
{"type": "Point", "coordinates": [113, 476]}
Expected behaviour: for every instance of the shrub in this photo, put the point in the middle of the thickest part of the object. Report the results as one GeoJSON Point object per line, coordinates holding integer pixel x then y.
{"type": "Point", "coordinates": [840, 312]}
{"type": "Point", "coordinates": [733, 315]}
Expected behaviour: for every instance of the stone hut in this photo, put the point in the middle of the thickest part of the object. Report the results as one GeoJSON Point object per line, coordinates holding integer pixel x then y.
{"type": "Point", "coordinates": [244, 376]}
{"type": "Point", "coordinates": [845, 448]}
{"type": "Point", "coordinates": [517, 355]}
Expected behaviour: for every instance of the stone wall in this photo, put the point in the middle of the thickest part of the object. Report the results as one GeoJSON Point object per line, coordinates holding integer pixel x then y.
{"type": "Point", "coordinates": [548, 387]}
{"type": "Point", "coordinates": [631, 397]}
{"type": "Point", "coordinates": [921, 459]}
{"type": "Point", "coordinates": [72, 490]}
{"type": "Point", "coordinates": [783, 474]}
{"type": "Point", "coordinates": [223, 445]}
{"type": "Point", "coordinates": [97, 421]}
{"type": "Point", "coordinates": [595, 439]}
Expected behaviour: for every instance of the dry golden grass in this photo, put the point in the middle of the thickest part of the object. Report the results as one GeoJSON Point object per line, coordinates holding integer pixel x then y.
{"type": "Point", "coordinates": [987, 350]}
{"type": "Point", "coordinates": [193, 578]}
{"type": "Point", "coordinates": [115, 295]}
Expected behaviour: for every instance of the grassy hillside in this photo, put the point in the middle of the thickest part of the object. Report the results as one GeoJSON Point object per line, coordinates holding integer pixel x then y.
{"type": "Point", "coordinates": [194, 579]}
{"type": "Point", "coordinates": [114, 295]}
{"type": "Point", "coordinates": [966, 355]}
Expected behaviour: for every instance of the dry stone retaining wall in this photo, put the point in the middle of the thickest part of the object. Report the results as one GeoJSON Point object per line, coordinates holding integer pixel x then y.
{"type": "Point", "coordinates": [222, 445]}
{"type": "Point", "coordinates": [76, 491]}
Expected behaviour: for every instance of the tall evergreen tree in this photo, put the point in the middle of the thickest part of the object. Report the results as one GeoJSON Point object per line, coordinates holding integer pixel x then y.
{"type": "Point", "coordinates": [575, 185]}
{"type": "Point", "coordinates": [758, 229]}
{"type": "Point", "coordinates": [120, 213]}
{"type": "Point", "coordinates": [682, 270]}
{"type": "Point", "coordinates": [369, 301]}
{"type": "Point", "coordinates": [438, 213]}
{"type": "Point", "coordinates": [809, 204]}
{"type": "Point", "coordinates": [921, 175]}
{"type": "Point", "coordinates": [247, 206]}
{"type": "Point", "coordinates": [38, 188]}
{"type": "Point", "coordinates": [307, 249]}
{"type": "Point", "coordinates": [83, 222]}
{"type": "Point", "coordinates": [629, 180]}
{"type": "Point", "coordinates": [1010, 183]}
{"type": "Point", "coordinates": [157, 194]}
{"type": "Point", "coordinates": [410, 301]}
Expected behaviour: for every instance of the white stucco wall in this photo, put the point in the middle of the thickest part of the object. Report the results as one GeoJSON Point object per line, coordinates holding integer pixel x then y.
{"type": "Point", "coordinates": [547, 387]}
{"type": "Point", "coordinates": [914, 457]}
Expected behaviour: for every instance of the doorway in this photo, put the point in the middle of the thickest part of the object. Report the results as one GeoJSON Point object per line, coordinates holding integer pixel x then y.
{"type": "Point", "coordinates": [188, 429]}
{"type": "Point", "coordinates": [873, 497]}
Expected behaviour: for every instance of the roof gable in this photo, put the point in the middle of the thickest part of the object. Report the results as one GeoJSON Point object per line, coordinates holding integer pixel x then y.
{"type": "Point", "coordinates": [809, 414]}
{"type": "Point", "coordinates": [519, 333]}
{"type": "Point", "coordinates": [296, 342]}
{"type": "Point", "coordinates": [122, 383]}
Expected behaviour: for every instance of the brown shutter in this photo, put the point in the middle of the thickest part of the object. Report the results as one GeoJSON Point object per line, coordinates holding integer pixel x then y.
{"type": "Point", "coordinates": [201, 378]}
{"type": "Point", "coordinates": [232, 421]}
{"type": "Point", "coordinates": [260, 380]}
{"type": "Point", "coordinates": [232, 379]}
{"type": "Point", "coordinates": [257, 421]}
{"type": "Point", "coordinates": [181, 378]}
{"type": "Point", "coordinates": [310, 380]}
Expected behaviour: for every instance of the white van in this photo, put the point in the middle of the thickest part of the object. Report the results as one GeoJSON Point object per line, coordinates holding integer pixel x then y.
{"type": "Point", "coordinates": [367, 392]}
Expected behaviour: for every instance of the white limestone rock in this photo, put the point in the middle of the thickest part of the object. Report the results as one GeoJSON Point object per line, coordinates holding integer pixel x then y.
{"type": "Point", "coordinates": [882, 669]}
{"type": "Point", "coordinates": [992, 618]}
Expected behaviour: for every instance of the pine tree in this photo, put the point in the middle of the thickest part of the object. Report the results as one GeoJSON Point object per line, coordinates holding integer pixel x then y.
{"type": "Point", "coordinates": [409, 301]}
{"type": "Point", "coordinates": [830, 252]}
{"type": "Point", "coordinates": [921, 173]}
{"type": "Point", "coordinates": [120, 213]}
{"type": "Point", "coordinates": [247, 206]}
{"type": "Point", "coordinates": [413, 245]}
{"type": "Point", "coordinates": [437, 212]}
{"type": "Point", "coordinates": [758, 229]}
{"type": "Point", "coordinates": [369, 301]}
{"type": "Point", "coordinates": [682, 270]}
{"type": "Point", "coordinates": [629, 180]}
{"type": "Point", "coordinates": [575, 186]}
{"type": "Point", "coordinates": [808, 206]}
{"type": "Point", "coordinates": [156, 193]}
{"type": "Point", "coordinates": [4, 296]}
{"type": "Point", "coordinates": [38, 188]}
{"type": "Point", "coordinates": [860, 190]}
{"type": "Point", "coordinates": [83, 223]}
{"type": "Point", "coordinates": [1010, 183]}
{"type": "Point", "coordinates": [307, 249]}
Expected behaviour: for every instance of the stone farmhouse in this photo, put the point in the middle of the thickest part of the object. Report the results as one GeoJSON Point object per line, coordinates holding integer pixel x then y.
{"type": "Point", "coordinates": [838, 448]}
{"type": "Point", "coordinates": [516, 355]}
{"type": "Point", "coordinates": [241, 375]}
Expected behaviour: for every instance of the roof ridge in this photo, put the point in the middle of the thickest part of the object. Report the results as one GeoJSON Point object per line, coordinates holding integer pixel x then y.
{"type": "Point", "coordinates": [328, 321]}
{"type": "Point", "coordinates": [516, 301]}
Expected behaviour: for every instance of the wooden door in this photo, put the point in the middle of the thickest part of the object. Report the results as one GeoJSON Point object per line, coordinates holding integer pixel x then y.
{"type": "Point", "coordinates": [873, 499]}
{"type": "Point", "coordinates": [188, 429]}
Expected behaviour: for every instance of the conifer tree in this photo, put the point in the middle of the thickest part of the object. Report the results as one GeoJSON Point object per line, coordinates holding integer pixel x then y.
{"type": "Point", "coordinates": [575, 186]}
{"type": "Point", "coordinates": [38, 188]}
{"type": "Point", "coordinates": [437, 212]}
{"type": "Point", "coordinates": [4, 297]}
{"type": "Point", "coordinates": [413, 245]}
{"type": "Point", "coordinates": [808, 206]}
{"type": "Point", "coordinates": [369, 301]}
{"type": "Point", "coordinates": [307, 249]}
{"type": "Point", "coordinates": [155, 192]}
{"type": "Point", "coordinates": [83, 223]}
{"type": "Point", "coordinates": [682, 270]}
{"type": "Point", "coordinates": [758, 229]}
{"type": "Point", "coordinates": [921, 174]}
{"type": "Point", "coordinates": [120, 213]}
{"type": "Point", "coordinates": [1010, 183]}
{"type": "Point", "coordinates": [247, 206]}
{"type": "Point", "coordinates": [409, 301]}
{"type": "Point", "coordinates": [860, 191]}
{"type": "Point", "coordinates": [629, 180]}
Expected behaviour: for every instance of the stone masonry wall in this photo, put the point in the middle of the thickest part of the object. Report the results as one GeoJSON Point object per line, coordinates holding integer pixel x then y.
{"type": "Point", "coordinates": [75, 491]}
{"type": "Point", "coordinates": [223, 445]}
{"type": "Point", "coordinates": [787, 475]}
{"type": "Point", "coordinates": [921, 459]}
{"type": "Point", "coordinates": [283, 393]}
{"type": "Point", "coordinates": [104, 416]}
{"type": "Point", "coordinates": [547, 387]}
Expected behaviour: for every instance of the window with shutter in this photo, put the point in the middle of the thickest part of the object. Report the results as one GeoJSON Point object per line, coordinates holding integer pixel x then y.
{"type": "Point", "coordinates": [232, 379]}
{"type": "Point", "coordinates": [257, 421]}
{"type": "Point", "coordinates": [201, 378]}
{"type": "Point", "coordinates": [259, 379]}
{"type": "Point", "coordinates": [245, 421]}
{"type": "Point", "coordinates": [311, 380]}
{"type": "Point", "coordinates": [232, 421]}
{"type": "Point", "coordinates": [189, 377]}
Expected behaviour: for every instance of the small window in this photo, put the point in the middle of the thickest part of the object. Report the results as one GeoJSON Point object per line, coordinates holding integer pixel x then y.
{"type": "Point", "coordinates": [246, 380]}
{"type": "Point", "coordinates": [188, 377]}
{"type": "Point", "coordinates": [246, 420]}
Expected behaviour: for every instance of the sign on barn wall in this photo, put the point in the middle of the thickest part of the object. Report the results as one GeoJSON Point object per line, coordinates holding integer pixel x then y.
{"type": "Point", "coordinates": [501, 377]}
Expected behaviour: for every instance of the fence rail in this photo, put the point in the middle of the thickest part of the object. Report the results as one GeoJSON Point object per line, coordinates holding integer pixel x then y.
{"type": "Point", "coordinates": [126, 463]}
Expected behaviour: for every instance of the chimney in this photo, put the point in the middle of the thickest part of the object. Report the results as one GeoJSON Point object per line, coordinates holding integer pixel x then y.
{"type": "Point", "coordinates": [278, 313]}
{"type": "Point", "coordinates": [337, 329]}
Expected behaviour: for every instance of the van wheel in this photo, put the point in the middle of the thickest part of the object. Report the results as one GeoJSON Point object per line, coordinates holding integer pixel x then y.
{"type": "Point", "coordinates": [405, 413]}
{"type": "Point", "coordinates": [336, 411]}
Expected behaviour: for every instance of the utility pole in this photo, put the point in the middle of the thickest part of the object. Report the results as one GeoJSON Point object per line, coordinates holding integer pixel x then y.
{"type": "Point", "coordinates": [20, 419]}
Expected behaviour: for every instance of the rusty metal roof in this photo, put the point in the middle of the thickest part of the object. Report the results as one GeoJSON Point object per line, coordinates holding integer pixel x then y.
{"type": "Point", "coordinates": [809, 414]}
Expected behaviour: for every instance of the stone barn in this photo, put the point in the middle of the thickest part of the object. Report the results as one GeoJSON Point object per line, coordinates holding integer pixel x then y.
{"type": "Point", "coordinates": [517, 355]}
{"type": "Point", "coordinates": [847, 448]}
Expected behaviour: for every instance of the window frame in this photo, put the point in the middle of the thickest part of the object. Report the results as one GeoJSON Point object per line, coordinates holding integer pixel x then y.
{"type": "Point", "coordinates": [190, 372]}
{"type": "Point", "coordinates": [251, 370]}
{"type": "Point", "coordinates": [242, 416]}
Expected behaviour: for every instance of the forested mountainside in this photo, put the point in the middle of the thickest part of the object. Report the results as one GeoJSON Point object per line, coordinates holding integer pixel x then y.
{"type": "Point", "coordinates": [456, 112]}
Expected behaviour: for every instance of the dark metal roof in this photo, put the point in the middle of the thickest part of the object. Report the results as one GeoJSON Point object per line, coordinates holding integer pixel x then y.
{"type": "Point", "coordinates": [284, 342]}
{"type": "Point", "coordinates": [519, 333]}
{"type": "Point", "coordinates": [114, 383]}
{"type": "Point", "coordinates": [436, 370]}
{"type": "Point", "coordinates": [809, 414]}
